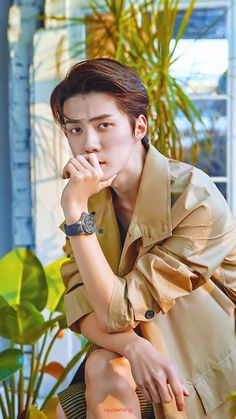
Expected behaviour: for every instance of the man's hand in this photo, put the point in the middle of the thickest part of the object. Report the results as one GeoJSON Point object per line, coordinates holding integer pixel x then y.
{"type": "Point", "coordinates": [86, 179]}
{"type": "Point", "coordinates": [154, 373]}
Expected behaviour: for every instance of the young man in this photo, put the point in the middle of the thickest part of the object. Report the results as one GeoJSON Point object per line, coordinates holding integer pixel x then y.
{"type": "Point", "coordinates": [151, 274]}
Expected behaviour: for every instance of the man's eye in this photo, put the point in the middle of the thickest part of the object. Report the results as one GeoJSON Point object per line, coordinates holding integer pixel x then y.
{"type": "Point", "coordinates": [75, 130]}
{"type": "Point", "coordinates": [105, 125]}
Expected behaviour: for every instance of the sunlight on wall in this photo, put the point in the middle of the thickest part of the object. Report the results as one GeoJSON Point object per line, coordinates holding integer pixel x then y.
{"type": "Point", "coordinates": [49, 145]}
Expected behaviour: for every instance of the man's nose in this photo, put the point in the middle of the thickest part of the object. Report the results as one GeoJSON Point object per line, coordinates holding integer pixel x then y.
{"type": "Point", "coordinates": [92, 142]}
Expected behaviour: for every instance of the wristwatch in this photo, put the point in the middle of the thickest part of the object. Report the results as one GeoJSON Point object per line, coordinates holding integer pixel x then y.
{"type": "Point", "coordinates": [85, 225]}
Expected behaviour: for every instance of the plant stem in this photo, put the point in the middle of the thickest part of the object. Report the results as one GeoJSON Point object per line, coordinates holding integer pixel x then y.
{"type": "Point", "coordinates": [13, 392]}
{"type": "Point", "coordinates": [30, 388]}
{"type": "Point", "coordinates": [43, 366]}
{"type": "Point", "coordinates": [20, 391]}
{"type": "Point", "coordinates": [13, 387]}
{"type": "Point", "coordinates": [3, 409]}
{"type": "Point", "coordinates": [37, 367]}
{"type": "Point", "coordinates": [8, 401]}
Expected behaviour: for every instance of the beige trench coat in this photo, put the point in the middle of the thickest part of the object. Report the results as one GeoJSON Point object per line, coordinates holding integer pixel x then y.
{"type": "Point", "coordinates": [176, 277]}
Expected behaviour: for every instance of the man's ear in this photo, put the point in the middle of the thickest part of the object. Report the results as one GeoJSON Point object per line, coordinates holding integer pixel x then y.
{"type": "Point", "coordinates": [140, 128]}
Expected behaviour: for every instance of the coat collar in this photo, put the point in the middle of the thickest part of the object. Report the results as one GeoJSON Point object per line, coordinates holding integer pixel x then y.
{"type": "Point", "coordinates": [151, 219]}
{"type": "Point", "coordinates": [152, 215]}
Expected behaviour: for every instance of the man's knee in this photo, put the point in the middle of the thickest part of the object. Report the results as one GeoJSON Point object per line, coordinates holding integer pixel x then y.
{"type": "Point", "coordinates": [60, 412]}
{"type": "Point", "coordinates": [107, 373]}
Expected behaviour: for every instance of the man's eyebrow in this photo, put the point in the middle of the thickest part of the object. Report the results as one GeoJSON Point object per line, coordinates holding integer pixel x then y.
{"type": "Point", "coordinates": [95, 118]}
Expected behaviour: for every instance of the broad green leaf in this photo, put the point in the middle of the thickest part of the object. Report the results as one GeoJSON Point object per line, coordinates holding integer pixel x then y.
{"type": "Point", "coordinates": [10, 361]}
{"type": "Point", "coordinates": [11, 271]}
{"type": "Point", "coordinates": [24, 324]}
{"type": "Point", "coordinates": [55, 285]}
{"type": "Point", "coordinates": [32, 324]}
{"type": "Point", "coordinates": [34, 285]}
{"type": "Point", "coordinates": [8, 320]}
{"type": "Point", "coordinates": [22, 278]}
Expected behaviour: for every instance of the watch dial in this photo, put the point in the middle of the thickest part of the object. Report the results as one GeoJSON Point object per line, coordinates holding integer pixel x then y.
{"type": "Point", "coordinates": [89, 224]}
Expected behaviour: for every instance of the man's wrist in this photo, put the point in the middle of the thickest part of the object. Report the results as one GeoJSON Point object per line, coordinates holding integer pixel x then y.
{"type": "Point", "coordinates": [128, 348]}
{"type": "Point", "coordinates": [73, 217]}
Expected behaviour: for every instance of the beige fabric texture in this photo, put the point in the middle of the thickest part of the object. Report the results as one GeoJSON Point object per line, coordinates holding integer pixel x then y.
{"type": "Point", "coordinates": [179, 261]}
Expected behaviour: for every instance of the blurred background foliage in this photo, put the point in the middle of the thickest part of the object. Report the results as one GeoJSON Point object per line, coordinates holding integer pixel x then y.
{"type": "Point", "coordinates": [31, 321]}
{"type": "Point", "coordinates": [143, 36]}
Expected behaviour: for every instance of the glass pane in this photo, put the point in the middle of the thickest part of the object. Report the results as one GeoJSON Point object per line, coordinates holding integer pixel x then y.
{"type": "Point", "coordinates": [222, 188]}
{"type": "Point", "coordinates": [212, 137]}
{"type": "Point", "coordinates": [202, 53]}
{"type": "Point", "coordinates": [211, 22]}
{"type": "Point", "coordinates": [201, 66]}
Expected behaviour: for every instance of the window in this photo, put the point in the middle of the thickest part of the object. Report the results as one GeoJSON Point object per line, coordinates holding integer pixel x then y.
{"type": "Point", "coordinates": [202, 70]}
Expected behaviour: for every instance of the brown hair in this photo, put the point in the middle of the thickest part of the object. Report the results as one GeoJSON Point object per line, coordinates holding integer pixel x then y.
{"type": "Point", "coordinates": [103, 75]}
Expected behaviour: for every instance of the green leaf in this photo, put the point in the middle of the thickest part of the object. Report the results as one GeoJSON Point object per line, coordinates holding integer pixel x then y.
{"type": "Point", "coordinates": [11, 271]}
{"type": "Point", "coordinates": [34, 285]}
{"type": "Point", "coordinates": [22, 278]}
{"type": "Point", "coordinates": [55, 285]}
{"type": "Point", "coordinates": [24, 324]}
{"type": "Point", "coordinates": [8, 320]}
{"type": "Point", "coordinates": [10, 361]}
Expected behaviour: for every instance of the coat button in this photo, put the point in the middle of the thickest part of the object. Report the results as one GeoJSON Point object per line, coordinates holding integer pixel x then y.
{"type": "Point", "coordinates": [149, 314]}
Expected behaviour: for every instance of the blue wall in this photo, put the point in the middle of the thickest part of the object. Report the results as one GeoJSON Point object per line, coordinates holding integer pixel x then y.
{"type": "Point", "coordinates": [5, 173]}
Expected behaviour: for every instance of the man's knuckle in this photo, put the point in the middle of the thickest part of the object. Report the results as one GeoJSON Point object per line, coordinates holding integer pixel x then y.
{"type": "Point", "coordinates": [178, 391]}
{"type": "Point", "coordinates": [171, 370]}
{"type": "Point", "coordinates": [159, 376]}
{"type": "Point", "coordinates": [167, 399]}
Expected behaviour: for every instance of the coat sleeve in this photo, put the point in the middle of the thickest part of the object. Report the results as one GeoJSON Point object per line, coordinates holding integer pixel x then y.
{"type": "Point", "coordinates": [75, 298]}
{"type": "Point", "coordinates": [202, 246]}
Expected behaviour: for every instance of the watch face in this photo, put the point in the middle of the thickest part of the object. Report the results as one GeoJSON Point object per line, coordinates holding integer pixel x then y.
{"type": "Point", "coordinates": [89, 224]}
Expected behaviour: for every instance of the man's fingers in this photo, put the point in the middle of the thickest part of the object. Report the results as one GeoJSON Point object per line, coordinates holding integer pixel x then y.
{"type": "Point", "coordinates": [155, 394]}
{"type": "Point", "coordinates": [186, 392]}
{"type": "Point", "coordinates": [146, 393]}
{"type": "Point", "coordinates": [93, 160]}
{"type": "Point", "coordinates": [105, 183]}
{"type": "Point", "coordinates": [164, 392]}
{"type": "Point", "coordinates": [79, 165]}
{"type": "Point", "coordinates": [178, 392]}
{"type": "Point", "coordinates": [70, 170]}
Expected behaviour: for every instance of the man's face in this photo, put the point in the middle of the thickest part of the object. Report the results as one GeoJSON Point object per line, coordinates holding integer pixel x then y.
{"type": "Point", "coordinates": [94, 124]}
